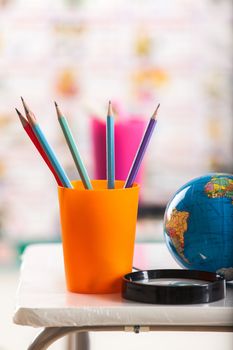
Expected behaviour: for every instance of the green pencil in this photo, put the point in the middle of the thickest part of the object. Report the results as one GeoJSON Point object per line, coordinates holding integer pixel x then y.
{"type": "Point", "coordinates": [73, 149]}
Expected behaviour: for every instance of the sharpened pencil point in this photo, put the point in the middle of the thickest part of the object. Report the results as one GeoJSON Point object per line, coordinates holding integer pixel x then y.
{"type": "Point", "coordinates": [30, 116]}
{"type": "Point", "coordinates": [18, 112]}
{"type": "Point", "coordinates": [155, 112]}
{"type": "Point", "coordinates": [110, 113]}
{"type": "Point", "coordinates": [21, 117]}
{"type": "Point", "coordinates": [59, 114]}
{"type": "Point", "coordinates": [25, 106]}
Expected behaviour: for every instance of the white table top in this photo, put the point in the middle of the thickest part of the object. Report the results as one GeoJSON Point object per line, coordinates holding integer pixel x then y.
{"type": "Point", "coordinates": [42, 299]}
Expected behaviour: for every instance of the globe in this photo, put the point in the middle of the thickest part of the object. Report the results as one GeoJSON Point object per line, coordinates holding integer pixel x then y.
{"type": "Point", "coordinates": [198, 223]}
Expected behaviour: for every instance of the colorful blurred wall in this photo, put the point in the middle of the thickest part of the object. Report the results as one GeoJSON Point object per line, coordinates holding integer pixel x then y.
{"type": "Point", "coordinates": [83, 53]}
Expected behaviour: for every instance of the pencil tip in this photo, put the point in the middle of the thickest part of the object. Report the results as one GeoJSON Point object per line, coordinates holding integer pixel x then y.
{"type": "Point", "coordinates": [25, 106]}
{"type": "Point", "coordinates": [21, 117]}
{"type": "Point", "coordinates": [59, 114]}
{"type": "Point", "coordinates": [18, 112]}
{"type": "Point", "coordinates": [155, 112]}
{"type": "Point", "coordinates": [110, 113]}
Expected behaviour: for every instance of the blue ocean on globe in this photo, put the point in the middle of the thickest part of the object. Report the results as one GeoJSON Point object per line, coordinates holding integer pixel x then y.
{"type": "Point", "coordinates": [198, 223]}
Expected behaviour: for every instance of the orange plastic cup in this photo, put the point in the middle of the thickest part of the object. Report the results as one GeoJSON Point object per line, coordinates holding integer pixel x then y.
{"type": "Point", "coordinates": [98, 234]}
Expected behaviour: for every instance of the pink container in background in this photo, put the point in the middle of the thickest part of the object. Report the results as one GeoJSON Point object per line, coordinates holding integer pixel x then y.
{"type": "Point", "coordinates": [128, 135]}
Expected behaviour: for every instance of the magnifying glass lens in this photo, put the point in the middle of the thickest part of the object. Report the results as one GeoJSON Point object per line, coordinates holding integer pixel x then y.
{"type": "Point", "coordinates": [173, 282]}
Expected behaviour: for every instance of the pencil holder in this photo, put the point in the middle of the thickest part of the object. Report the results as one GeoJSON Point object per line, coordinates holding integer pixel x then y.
{"type": "Point", "coordinates": [98, 233]}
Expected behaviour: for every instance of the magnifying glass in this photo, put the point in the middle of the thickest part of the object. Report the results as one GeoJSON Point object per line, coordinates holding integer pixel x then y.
{"type": "Point", "coordinates": [173, 286]}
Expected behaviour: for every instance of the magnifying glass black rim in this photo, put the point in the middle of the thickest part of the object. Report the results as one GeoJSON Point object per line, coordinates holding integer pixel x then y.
{"type": "Point", "coordinates": [135, 288]}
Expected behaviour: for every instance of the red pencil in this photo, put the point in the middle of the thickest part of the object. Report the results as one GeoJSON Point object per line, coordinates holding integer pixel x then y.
{"type": "Point", "coordinates": [27, 127]}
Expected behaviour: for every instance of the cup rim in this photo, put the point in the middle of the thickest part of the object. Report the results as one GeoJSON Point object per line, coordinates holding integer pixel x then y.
{"type": "Point", "coordinates": [134, 187]}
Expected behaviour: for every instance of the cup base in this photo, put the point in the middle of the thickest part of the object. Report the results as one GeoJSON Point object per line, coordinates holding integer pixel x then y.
{"type": "Point", "coordinates": [116, 288]}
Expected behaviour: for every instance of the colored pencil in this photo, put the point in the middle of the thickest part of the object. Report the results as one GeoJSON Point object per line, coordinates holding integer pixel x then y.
{"type": "Point", "coordinates": [73, 149]}
{"type": "Point", "coordinates": [110, 148]}
{"type": "Point", "coordinates": [27, 127]}
{"type": "Point", "coordinates": [46, 147]}
{"type": "Point", "coordinates": [141, 150]}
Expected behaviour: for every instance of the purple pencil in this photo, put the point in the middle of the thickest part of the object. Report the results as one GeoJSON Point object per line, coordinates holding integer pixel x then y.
{"type": "Point", "coordinates": [141, 150]}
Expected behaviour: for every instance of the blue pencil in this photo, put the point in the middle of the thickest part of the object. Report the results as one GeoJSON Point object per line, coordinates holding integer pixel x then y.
{"type": "Point", "coordinates": [46, 147]}
{"type": "Point", "coordinates": [110, 148]}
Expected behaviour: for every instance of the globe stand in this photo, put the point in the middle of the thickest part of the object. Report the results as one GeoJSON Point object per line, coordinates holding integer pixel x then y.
{"type": "Point", "coordinates": [227, 273]}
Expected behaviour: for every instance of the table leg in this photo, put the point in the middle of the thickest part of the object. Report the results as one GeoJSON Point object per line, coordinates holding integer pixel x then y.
{"type": "Point", "coordinates": [82, 341]}
{"type": "Point", "coordinates": [69, 342]}
{"type": "Point", "coordinates": [49, 335]}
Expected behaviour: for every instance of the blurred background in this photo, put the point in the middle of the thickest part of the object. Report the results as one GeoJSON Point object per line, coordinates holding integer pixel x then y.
{"type": "Point", "coordinates": [82, 53]}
